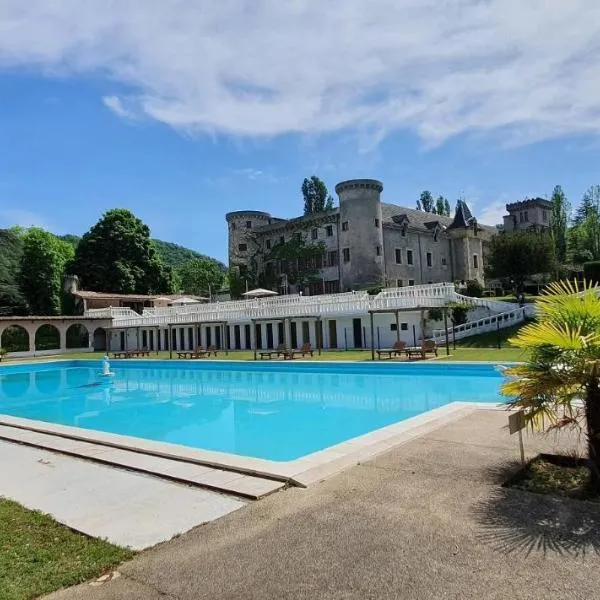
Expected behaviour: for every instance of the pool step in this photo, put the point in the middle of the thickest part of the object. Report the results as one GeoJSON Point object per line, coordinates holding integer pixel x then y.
{"type": "Point", "coordinates": [229, 482]}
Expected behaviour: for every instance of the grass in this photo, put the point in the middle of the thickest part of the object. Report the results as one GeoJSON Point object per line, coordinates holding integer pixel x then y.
{"type": "Point", "coordinates": [39, 555]}
{"type": "Point", "coordinates": [556, 476]}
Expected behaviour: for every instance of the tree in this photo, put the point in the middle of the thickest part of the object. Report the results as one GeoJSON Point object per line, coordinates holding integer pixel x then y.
{"type": "Point", "coordinates": [564, 368]}
{"type": "Point", "coordinates": [516, 256]}
{"type": "Point", "coordinates": [425, 202]}
{"type": "Point", "coordinates": [116, 255]}
{"type": "Point", "coordinates": [558, 225]}
{"type": "Point", "coordinates": [201, 276]}
{"type": "Point", "coordinates": [316, 197]}
{"type": "Point", "coordinates": [11, 249]}
{"type": "Point", "coordinates": [442, 206]}
{"type": "Point", "coordinates": [43, 264]}
{"type": "Point", "coordinates": [298, 260]}
{"type": "Point", "coordinates": [584, 236]}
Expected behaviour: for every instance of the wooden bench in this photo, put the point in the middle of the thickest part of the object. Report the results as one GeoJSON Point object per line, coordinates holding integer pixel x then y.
{"type": "Point", "coordinates": [268, 354]}
{"type": "Point", "coordinates": [395, 350]}
{"type": "Point", "coordinates": [120, 355]}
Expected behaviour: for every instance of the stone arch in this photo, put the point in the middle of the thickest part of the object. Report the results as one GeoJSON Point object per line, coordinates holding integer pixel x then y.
{"type": "Point", "coordinates": [99, 341]}
{"type": "Point", "coordinates": [15, 339]}
{"type": "Point", "coordinates": [15, 385]}
{"type": "Point", "coordinates": [47, 337]}
{"type": "Point", "coordinates": [77, 336]}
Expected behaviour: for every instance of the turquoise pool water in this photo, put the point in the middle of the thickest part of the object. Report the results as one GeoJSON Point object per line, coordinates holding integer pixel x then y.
{"type": "Point", "coordinates": [274, 411]}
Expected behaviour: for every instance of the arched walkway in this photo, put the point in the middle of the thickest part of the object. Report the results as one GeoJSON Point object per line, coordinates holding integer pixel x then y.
{"type": "Point", "coordinates": [47, 337]}
{"type": "Point", "coordinates": [99, 339]}
{"type": "Point", "coordinates": [77, 336]}
{"type": "Point", "coordinates": [15, 339]}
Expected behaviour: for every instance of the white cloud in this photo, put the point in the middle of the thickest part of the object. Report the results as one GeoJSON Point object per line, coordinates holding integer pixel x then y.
{"type": "Point", "coordinates": [493, 213]}
{"type": "Point", "coordinates": [264, 67]}
{"type": "Point", "coordinates": [115, 104]}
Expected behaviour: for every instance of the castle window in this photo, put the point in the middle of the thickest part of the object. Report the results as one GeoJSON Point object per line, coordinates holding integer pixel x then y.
{"type": "Point", "coordinates": [376, 222]}
{"type": "Point", "coordinates": [520, 217]}
{"type": "Point", "coordinates": [526, 217]}
{"type": "Point", "coordinates": [475, 261]}
{"type": "Point", "coordinates": [399, 283]}
{"type": "Point", "coordinates": [378, 250]}
{"type": "Point", "coordinates": [233, 225]}
{"type": "Point", "coordinates": [443, 261]}
{"type": "Point", "coordinates": [346, 254]}
{"type": "Point", "coordinates": [248, 224]}
{"type": "Point", "coordinates": [281, 239]}
{"type": "Point", "coordinates": [298, 237]}
{"type": "Point", "coordinates": [345, 226]}
{"type": "Point", "coordinates": [544, 216]}
{"type": "Point", "coordinates": [411, 282]}
{"type": "Point", "coordinates": [409, 257]}
{"type": "Point", "coordinates": [268, 244]}
{"type": "Point", "coordinates": [242, 247]}
{"type": "Point", "coordinates": [403, 326]}
{"type": "Point", "coordinates": [429, 259]}
{"type": "Point", "coordinates": [332, 258]}
{"type": "Point", "coordinates": [314, 234]}
{"type": "Point", "coordinates": [393, 327]}
{"type": "Point", "coordinates": [398, 256]}
{"type": "Point", "coordinates": [329, 231]}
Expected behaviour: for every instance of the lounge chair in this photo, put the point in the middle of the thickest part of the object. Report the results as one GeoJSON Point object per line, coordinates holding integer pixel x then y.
{"type": "Point", "coordinates": [306, 349]}
{"type": "Point", "coordinates": [272, 353]}
{"type": "Point", "coordinates": [427, 347]}
{"type": "Point", "coordinates": [396, 350]}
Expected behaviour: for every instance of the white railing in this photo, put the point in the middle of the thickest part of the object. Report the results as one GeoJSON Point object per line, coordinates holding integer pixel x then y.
{"type": "Point", "coordinates": [111, 312]}
{"type": "Point", "coordinates": [325, 306]}
{"type": "Point", "coordinates": [484, 325]}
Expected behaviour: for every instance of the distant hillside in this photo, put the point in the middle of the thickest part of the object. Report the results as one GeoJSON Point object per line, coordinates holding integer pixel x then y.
{"type": "Point", "coordinates": [175, 255]}
{"type": "Point", "coordinates": [172, 255]}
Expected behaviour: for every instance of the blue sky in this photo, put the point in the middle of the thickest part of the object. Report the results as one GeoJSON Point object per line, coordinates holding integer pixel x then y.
{"type": "Point", "coordinates": [199, 108]}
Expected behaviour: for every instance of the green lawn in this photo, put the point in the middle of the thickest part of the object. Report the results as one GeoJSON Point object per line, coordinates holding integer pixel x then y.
{"type": "Point", "coordinates": [39, 555]}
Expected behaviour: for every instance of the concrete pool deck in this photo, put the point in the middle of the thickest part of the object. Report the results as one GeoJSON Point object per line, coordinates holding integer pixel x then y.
{"type": "Point", "coordinates": [425, 520]}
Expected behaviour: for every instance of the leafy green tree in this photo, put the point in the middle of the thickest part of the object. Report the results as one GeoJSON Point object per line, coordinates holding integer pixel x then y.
{"type": "Point", "coordinates": [11, 249]}
{"type": "Point", "coordinates": [175, 256]}
{"type": "Point", "coordinates": [560, 385]}
{"type": "Point", "coordinates": [43, 264]}
{"type": "Point", "coordinates": [117, 255]}
{"type": "Point", "coordinates": [238, 277]}
{"type": "Point", "coordinates": [516, 256]}
{"type": "Point", "coordinates": [442, 206]}
{"type": "Point", "coordinates": [559, 219]}
{"type": "Point", "coordinates": [585, 234]}
{"type": "Point", "coordinates": [201, 276]}
{"type": "Point", "coordinates": [298, 260]}
{"type": "Point", "coordinates": [316, 196]}
{"type": "Point", "coordinates": [426, 202]}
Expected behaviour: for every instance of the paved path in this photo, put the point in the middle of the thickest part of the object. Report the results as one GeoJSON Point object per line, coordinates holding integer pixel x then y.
{"type": "Point", "coordinates": [427, 520]}
{"type": "Point", "coordinates": [126, 508]}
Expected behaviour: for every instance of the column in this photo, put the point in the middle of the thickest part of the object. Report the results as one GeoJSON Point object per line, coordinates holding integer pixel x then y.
{"type": "Point", "coordinates": [287, 323]}
{"type": "Point", "coordinates": [62, 332]}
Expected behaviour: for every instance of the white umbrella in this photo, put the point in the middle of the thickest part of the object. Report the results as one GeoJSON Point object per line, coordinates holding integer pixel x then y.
{"type": "Point", "coordinates": [259, 293]}
{"type": "Point", "coordinates": [185, 301]}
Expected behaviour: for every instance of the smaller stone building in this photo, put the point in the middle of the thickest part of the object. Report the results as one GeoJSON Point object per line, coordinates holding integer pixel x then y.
{"type": "Point", "coordinates": [531, 213]}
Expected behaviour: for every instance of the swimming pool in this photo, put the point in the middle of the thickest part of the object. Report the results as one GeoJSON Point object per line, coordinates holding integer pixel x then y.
{"type": "Point", "coordinates": [273, 411]}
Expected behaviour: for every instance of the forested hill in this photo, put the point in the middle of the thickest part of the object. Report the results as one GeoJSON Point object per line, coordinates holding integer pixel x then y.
{"type": "Point", "coordinates": [173, 255]}
{"type": "Point", "coordinates": [176, 256]}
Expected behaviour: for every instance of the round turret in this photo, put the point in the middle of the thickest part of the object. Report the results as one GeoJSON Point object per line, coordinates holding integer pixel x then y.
{"type": "Point", "coordinates": [361, 233]}
{"type": "Point", "coordinates": [241, 225]}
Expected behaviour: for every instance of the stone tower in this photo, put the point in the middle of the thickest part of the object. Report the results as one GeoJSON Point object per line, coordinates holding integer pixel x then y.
{"type": "Point", "coordinates": [466, 245]}
{"type": "Point", "coordinates": [360, 234]}
{"type": "Point", "coordinates": [242, 244]}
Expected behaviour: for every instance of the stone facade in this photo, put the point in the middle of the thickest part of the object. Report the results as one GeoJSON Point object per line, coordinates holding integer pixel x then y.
{"type": "Point", "coordinates": [366, 242]}
{"type": "Point", "coordinates": [532, 213]}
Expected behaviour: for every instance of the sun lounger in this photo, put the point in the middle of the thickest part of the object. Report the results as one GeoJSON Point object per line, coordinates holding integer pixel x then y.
{"type": "Point", "coordinates": [395, 350]}
{"type": "Point", "coordinates": [427, 347]}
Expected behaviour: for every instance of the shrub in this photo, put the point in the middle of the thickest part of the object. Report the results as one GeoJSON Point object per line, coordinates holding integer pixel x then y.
{"type": "Point", "coordinates": [474, 289]}
{"type": "Point", "coordinates": [591, 271]}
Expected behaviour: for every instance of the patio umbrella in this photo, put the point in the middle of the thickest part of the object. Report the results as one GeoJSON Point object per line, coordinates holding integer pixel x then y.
{"type": "Point", "coordinates": [260, 293]}
{"type": "Point", "coordinates": [186, 301]}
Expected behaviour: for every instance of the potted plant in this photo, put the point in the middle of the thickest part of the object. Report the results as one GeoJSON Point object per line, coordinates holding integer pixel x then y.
{"type": "Point", "coordinates": [3, 353]}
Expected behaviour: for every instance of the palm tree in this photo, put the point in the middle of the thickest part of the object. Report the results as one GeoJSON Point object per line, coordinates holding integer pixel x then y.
{"type": "Point", "coordinates": [560, 385]}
